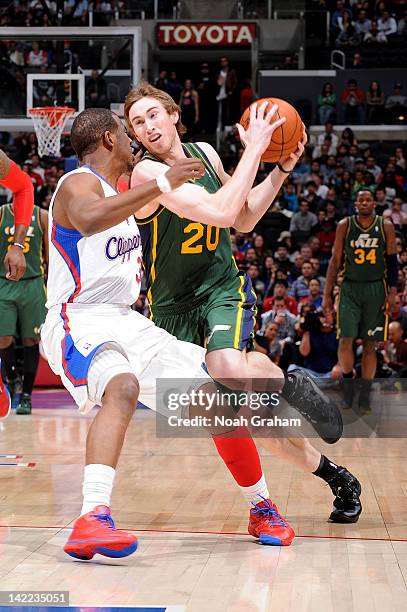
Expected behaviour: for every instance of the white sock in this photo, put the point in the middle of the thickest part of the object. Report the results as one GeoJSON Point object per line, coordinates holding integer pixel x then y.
{"type": "Point", "coordinates": [256, 492]}
{"type": "Point", "coordinates": [97, 486]}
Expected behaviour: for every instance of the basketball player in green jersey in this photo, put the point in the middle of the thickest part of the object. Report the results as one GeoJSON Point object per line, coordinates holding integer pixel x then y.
{"type": "Point", "coordinates": [195, 289]}
{"type": "Point", "coordinates": [22, 304]}
{"type": "Point", "coordinates": [365, 245]}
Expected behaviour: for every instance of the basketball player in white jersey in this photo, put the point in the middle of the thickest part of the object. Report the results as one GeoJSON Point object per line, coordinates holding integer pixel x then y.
{"type": "Point", "coordinates": [105, 353]}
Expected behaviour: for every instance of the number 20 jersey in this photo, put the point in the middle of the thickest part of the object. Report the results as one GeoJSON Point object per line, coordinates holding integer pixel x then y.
{"type": "Point", "coordinates": [365, 251]}
{"type": "Point", "coordinates": [185, 261]}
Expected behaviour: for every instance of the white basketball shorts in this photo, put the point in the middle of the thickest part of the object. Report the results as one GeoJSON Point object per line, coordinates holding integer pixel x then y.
{"type": "Point", "coordinates": [89, 344]}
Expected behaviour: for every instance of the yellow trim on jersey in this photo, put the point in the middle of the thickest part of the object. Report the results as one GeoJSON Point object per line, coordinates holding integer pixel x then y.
{"type": "Point", "coordinates": [148, 220]}
{"type": "Point", "coordinates": [42, 268]}
{"type": "Point", "coordinates": [365, 229]}
{"type": "Point", "coordinates": [348, 230]}
{"type": "Point", "coordinates": [239, 315]}
{"type": "Point", "coordinates": [386, 327]}
{"type": "Point", "coordinates": [343, 271]}
{"type": "Point", "coordinates": [38, 210]}
{"type": "Point", "coordinates": [382, 229]}
{"type": "Point", "coordinates": [148, 155]}
{"type": "Point", "coordinates": [205, 162]}
{"type": "Point", "coordinates": [255, 310]}
{"type": "Point", "coordinates": [338, 310]}
{"type": "Point", "coordinates": [386, 313]}
{"type": "Point", "coordinates": [153, 259]}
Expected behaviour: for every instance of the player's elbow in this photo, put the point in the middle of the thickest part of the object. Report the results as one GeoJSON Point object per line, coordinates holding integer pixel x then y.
{"type": "Point", "coordinates": [243, 225]}
{"type": "Point", "coordinates": [225, 220]}
{"type": "Point", "coordinates": [87, 226]}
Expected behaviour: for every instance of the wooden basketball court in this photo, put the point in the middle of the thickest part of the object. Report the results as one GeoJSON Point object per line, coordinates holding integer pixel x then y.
{"type": "Point", "coordinates": [194, 551]}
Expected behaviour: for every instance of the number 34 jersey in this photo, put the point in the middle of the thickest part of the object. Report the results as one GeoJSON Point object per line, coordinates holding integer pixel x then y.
{"type": "Point", "coordinates": [184, 260]}
{"type": "Point", "coordinates": [365, 251]}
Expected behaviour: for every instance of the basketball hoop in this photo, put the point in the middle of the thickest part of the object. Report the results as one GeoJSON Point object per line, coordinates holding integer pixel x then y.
{"type": "Point", "coordinates": [49, 122]}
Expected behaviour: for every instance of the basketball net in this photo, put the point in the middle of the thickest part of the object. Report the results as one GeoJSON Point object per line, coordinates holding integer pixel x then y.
{"type": "Point", "coordinates": [49, 122]}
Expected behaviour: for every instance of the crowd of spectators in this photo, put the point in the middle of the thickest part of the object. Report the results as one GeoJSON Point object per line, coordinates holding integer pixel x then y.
{"type": "Point", "coordinates": [221, 94]}
{"type": "Point", "coordinates": [357, 106]}
{"type": "Point", "coordinates": [17, 59]}
{"type": "Point", "coordinates": [31, 13]}
{"type": "Point", "coordinates": [372, 34]}
{"type": "Point", "coordinates": [363, 22]}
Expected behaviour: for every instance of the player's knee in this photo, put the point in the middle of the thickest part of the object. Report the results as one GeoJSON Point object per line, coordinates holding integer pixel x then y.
{"type": "Point", "coordinates": [6, 342]}
{"type": "Point", "coordinates": [123, 390]}
{"type": "Point", "coordinates": [225, 364]}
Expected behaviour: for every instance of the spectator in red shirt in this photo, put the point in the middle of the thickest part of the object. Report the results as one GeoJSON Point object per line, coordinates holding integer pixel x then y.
{"type": "Point", "coordinates": [36, 178]}
{"type": "Point", "coordinates": [326, 237]}
{"type": "Point", "coordinates": [280, 290]}
{"type": "Point", "coordinates": [246, 95]}
{"type": "Point", "coordinates": [353, 98]}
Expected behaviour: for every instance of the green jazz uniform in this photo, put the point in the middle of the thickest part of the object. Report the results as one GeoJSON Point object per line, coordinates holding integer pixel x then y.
{"type": "Point", "coordinates": [22, 302]}
{"type": "Point", "coordinates": [195, 289]}
{"type": "Point", "coordinates": [363, 291]}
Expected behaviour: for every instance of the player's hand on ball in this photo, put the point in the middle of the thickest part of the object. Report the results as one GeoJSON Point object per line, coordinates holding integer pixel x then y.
{"type": "Point", "coordinates": [261, 126]}
{"type": "Point", "coordinates": [184, 170]}
{"type": "Point", "coordinates": [290, 162]}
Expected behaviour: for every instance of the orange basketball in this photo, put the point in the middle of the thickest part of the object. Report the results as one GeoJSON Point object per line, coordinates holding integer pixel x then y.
{"type": "Point", "coordinates": [286, 137]}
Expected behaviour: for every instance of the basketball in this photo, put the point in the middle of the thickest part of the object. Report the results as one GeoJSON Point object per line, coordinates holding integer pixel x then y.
{"type": "Point", "coordinates": [286, 137]}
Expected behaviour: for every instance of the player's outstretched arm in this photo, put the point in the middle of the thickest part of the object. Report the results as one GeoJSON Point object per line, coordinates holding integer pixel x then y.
{"type": "Point", "coordinates": [13, 178]}
{"type": "Point", "coordinates": [220, 208]}
{"type": "Point", "coordinates": [261, 197]}
{"type": "Point", "coordinates": [81, 204]}
{"type": "Point", "coordinates": [334, 264]}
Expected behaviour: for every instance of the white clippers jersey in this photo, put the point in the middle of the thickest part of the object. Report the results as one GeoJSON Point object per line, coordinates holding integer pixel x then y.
{"type": "Point", "coordinates": [102, 268]}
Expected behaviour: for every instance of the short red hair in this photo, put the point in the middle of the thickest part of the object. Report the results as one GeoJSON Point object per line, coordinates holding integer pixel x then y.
{"type": "Point", "coordinates": [145, 90]}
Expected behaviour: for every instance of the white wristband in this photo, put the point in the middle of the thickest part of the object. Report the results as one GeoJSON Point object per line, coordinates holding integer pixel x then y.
{"type": "Point", "coordinates": [163, 183]}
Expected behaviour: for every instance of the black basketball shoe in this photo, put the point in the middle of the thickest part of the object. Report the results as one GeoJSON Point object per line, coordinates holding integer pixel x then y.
{"type": "Point", "coordinates": [303, 394]}
{"type": "Point", "coordinates": [347, 489]}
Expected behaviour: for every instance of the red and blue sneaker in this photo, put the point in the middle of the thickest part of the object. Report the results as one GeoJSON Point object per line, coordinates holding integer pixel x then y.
{"type": "Point", "coordinates": [95, 532]}
{"type": "Point", "coordinates": [5, 401]}
{"type": "Point", "coordinates": [266, 524]}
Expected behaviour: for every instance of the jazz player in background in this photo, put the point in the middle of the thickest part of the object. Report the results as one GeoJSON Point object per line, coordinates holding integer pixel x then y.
{"type": "Point", "coordinates": [13, 178]}
{"type": "Point", "coordinates": [22, 305]}
{"type": "Point", "coordinates": [106, 353]}
{"type": "Point", "coordinates": [197, 294]}
{"type": "Point", "coordinates": [365, 245]}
